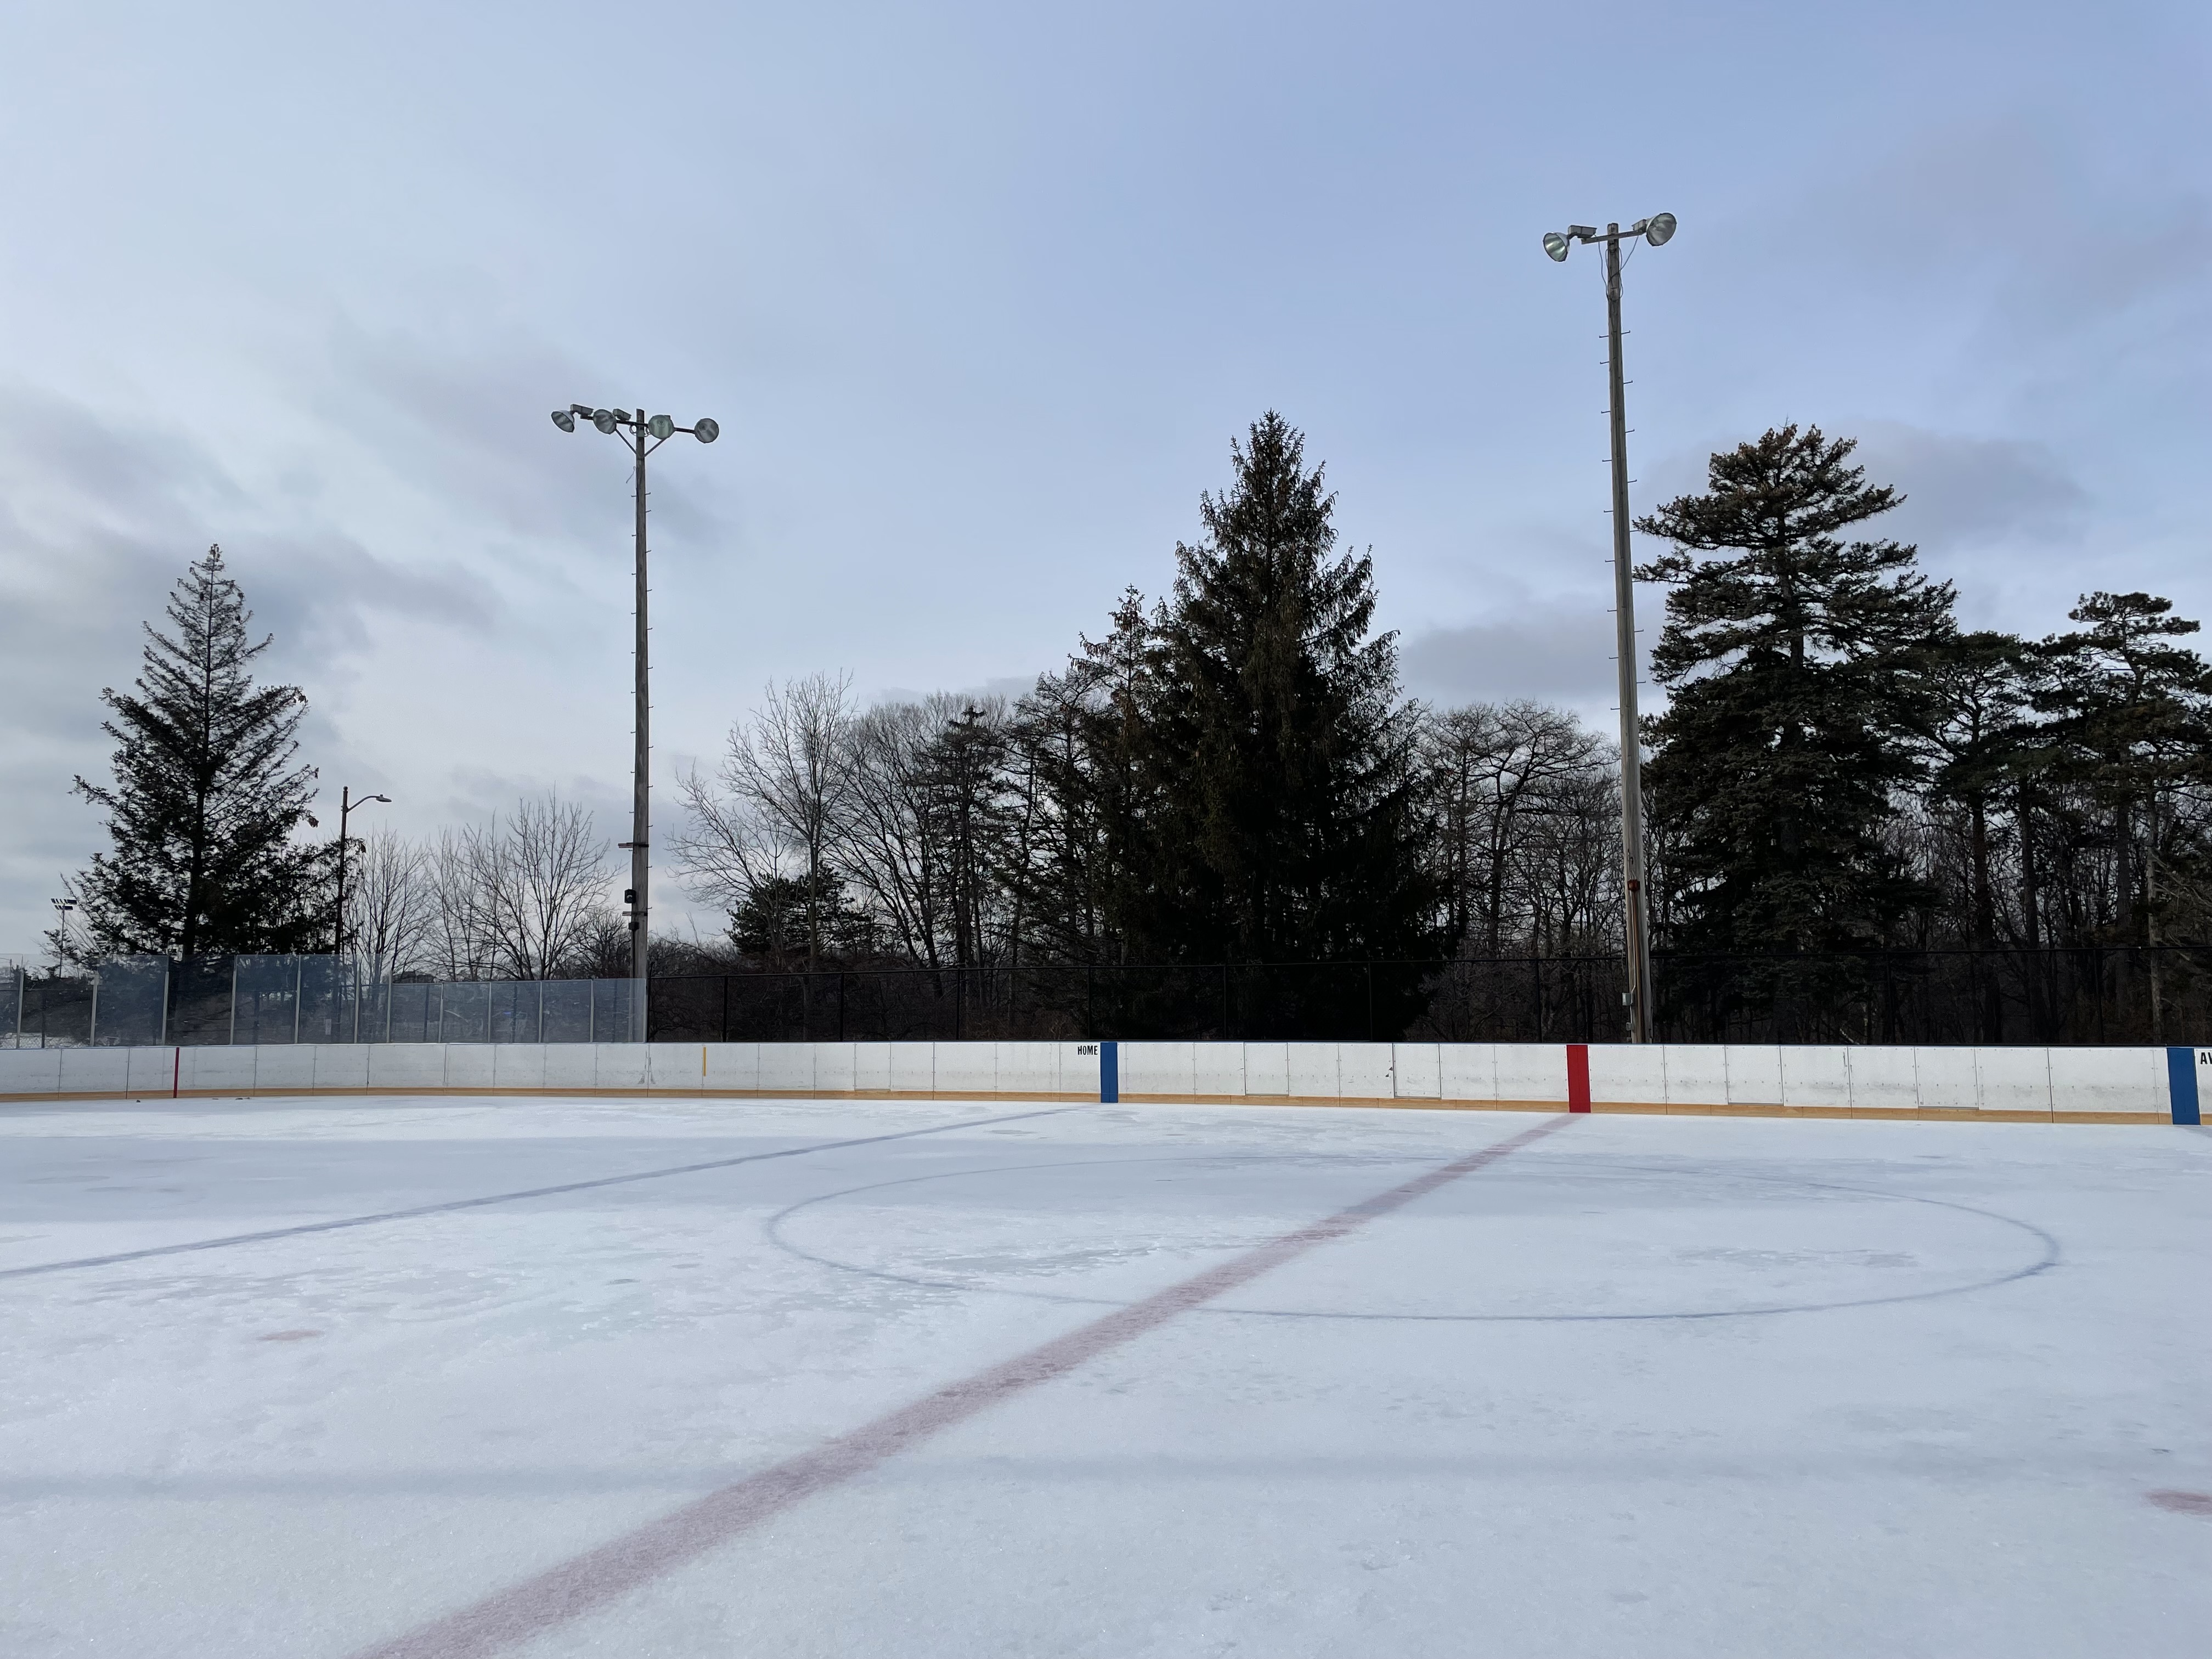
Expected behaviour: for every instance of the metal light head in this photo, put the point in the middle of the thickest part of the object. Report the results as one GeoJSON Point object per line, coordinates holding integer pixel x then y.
{"type": "Point", "coordinates": [706, 429]}
{"type": "Point", "coordinates": [387, 800]}
{"type": "Point", "coordinates": [1661, 230]}
{"type": "Point", "coordinates": [662, 426]}
{"type": "Point", "coordinates": [603, 419]}
{"type": "Point", "coordinates": [564, 420]}
{"type": "Point", "coordinates": [1556, 244]}
{"type": "Point", "coordinates": [1587, 232]}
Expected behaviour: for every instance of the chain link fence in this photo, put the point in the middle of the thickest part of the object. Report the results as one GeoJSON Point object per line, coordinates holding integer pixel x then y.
{"type": "Point", "coordinates": [2093, 995]}
{"type": "Point", "coordinates": [2099, 995]}
{"type": "Point", "coordinates": [273, 999]}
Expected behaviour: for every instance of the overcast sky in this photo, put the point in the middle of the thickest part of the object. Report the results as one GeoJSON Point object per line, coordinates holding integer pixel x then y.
{"type": "Point", "coordinates": [981, 295]}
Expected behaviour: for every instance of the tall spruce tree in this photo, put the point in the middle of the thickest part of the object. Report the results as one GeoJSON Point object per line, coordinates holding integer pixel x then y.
{"type": "Point", "coordinates": [205, 797]}
{"type": "Point", "coordinates": [1276, 753]}
{"type": "Point", "coordinates": [1796, 665]}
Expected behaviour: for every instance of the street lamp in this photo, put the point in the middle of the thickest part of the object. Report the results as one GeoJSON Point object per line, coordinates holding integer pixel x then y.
{"type": "Point", "coordinates": [1657, 230]}
{"type": "Point", "coordinates": [347, 806]}
{"type": "Point", "coordinates": [642, 434]}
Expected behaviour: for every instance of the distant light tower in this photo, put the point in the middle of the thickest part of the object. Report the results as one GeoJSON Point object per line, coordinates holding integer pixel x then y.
{"type": "Point", "coordinates": [1657, 230]}
{"type": "Point", "coordinates": [643, 433]}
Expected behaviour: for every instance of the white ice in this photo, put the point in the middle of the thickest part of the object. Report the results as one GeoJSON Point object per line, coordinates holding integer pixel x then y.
{"type": "Point", "coordinates": [1649, 1386]}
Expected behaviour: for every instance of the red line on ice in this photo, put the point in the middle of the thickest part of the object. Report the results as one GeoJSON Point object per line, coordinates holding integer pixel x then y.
{"type": "Point", "coordinates": [588, 1582]}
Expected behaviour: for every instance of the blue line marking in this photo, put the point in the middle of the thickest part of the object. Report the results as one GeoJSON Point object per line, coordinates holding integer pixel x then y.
{"type": "Point", "coordinates": [1109, 1074]}
{"type": "Point", "coordinates": [2181, 1083]}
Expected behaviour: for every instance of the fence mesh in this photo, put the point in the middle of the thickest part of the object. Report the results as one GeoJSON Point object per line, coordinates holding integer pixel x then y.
{"type": "Point", "coordinates": [2104, 995]}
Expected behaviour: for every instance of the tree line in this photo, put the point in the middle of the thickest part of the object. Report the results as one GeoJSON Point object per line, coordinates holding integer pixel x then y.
{"type": "Point", "coordinates": [1232, 772]}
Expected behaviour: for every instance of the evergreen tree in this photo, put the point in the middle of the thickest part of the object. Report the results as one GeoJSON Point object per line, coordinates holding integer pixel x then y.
{"type": "Point", "coordinates": [964, 774]}
{"type": "Point", "coordinates": [1062, 867]}
{"type": "Point", "coordinates": [1117, 787]}
{"type": "Point", "coordinates": [777, 923]}
{"type": "Point", "coordinates": [1278, 791]}
{"type": "Point", "coordinates": [1983, 746]}
{"type": "Point", "coordinates": [2132, 715]}
{"type": "Point", "coordinates": [205, 797]}
{"type": "Point", "coordinates": [1984, 750]}
{"type": "Point", "coordinates": [1797, 664]}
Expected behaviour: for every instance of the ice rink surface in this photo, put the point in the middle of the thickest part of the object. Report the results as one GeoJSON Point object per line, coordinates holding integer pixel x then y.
{"type": "Point", "coordinates": [1633, 1386]}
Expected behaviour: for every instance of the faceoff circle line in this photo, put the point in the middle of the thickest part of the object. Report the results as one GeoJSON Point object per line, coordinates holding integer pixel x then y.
{"type": "Point", "coordinates": [2049, 1257]}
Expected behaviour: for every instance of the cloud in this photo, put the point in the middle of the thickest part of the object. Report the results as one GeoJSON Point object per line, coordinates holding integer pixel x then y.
{"type": "Point", "coordinates": [98, 517]}
{"type": "Point", "coordinates": [1965, 492]}
{"type": "Point", "coordinates": [1549, 651]}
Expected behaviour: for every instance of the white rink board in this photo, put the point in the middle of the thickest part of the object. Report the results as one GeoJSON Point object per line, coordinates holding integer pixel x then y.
{"type": "Point", "coordinates": [1674, 1079]}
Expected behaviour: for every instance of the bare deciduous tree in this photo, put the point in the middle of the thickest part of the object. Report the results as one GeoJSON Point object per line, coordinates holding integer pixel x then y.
{"type": "Point", "coordinates": [391, 905]}
{"type": "Point", "coordinates": [785, 783]}
{"type": "Point", "coordinates": [892, 841]}
{"type": "Point", "coordinates": [1521, 791]}
{"type": "Point", "coordinates": [518, 899]}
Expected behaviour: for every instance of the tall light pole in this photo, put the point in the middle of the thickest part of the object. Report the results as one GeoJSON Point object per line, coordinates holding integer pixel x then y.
{"type": "Point", "coordinates": [347, 806]}
{"type": "Point", "coordinates": [1656, 230]}
{"type": "Point", "coordinates": [642, 434]}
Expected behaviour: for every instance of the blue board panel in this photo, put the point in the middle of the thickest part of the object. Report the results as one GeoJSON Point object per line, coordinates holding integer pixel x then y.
{"type": "Point", "coordinates": [2181, 1083]}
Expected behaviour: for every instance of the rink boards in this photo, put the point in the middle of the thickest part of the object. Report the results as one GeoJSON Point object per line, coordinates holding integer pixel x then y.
{"type": "Point", "coordinates": [2078, 1085]}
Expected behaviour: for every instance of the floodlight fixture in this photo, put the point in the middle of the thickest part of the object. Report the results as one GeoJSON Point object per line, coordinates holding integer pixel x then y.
{"type": "Point", "coordinates": [605, 420]}
{"type": "Point", "coordinates": [1661, 229]}
{"type": "Point", "coordinates": [706, 428]}
{"type": "Point", "coordinates": [1555, 244]}
{"type": "Point", "coordinates": [1584, 232]}
{"type": "Point", "coordinates": [564, 420]}
{"type": "Point", "coordinates": [662, 426]}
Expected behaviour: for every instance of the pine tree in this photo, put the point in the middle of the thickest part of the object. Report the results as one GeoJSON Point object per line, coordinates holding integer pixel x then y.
{"type": "Point", "coordinates": [1796, 668]}
{"type": "Point", "coordinates": [1277, 753]}
{"type": "Point", "coordinates": [205, 797]}
{"type": "Point", "coordinates": [1983, 746]}
{"type": "Point", "coordinates": [963, 774]}
{"type": "Point", "coordinates": [1984, 750]}
{"type": "Point", "coordinates": [2132, 716]}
